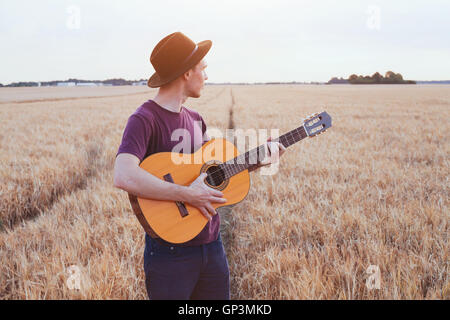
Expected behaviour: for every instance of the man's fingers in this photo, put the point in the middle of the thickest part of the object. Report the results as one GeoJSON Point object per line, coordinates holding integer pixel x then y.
{"type": "Point", "coordinates": [205, 213]}
{"type": "Point", "coordinates": [200, 179]}
{"type": "Point", "coordinates": [215, 193]}
{"type": "Point", "coordinates": [211, 209]}
{"type": "Point", "coordinates": [265, 163]}
{"type": "Point", "coordinates": [212, 191]}
{"type": "Point", "coordinates": [274, 151]}
{"type": "Point", "coordinates": [268, 148]}
{"type": "Point", "coordinates": [216, 199]}
{"type": "Point", "coordinates": [281, 149]}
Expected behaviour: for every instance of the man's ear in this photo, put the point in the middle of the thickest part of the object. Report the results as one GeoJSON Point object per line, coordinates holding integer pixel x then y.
{"type": "Point", "coordinates": [187, 74]}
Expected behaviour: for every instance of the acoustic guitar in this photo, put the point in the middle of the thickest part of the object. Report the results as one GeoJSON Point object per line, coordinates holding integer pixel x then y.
{"type": "Point", "coordinates": [227, 171]}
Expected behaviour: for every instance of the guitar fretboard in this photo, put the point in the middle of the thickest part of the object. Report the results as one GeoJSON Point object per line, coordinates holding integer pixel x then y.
{"type": "Point", "coordinates": [250, 158]}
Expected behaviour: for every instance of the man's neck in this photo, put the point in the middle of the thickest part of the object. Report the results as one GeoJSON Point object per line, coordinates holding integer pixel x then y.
{"type": "Point", "coordinates": [171, 100]}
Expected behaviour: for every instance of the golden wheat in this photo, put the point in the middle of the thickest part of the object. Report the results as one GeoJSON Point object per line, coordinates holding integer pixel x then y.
{"type": "Point", "coordinates": [372, 190]}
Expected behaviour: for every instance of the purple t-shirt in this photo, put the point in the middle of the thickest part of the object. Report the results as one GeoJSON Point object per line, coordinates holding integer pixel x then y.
{"type": "Point", "coordinates": [150, 130]}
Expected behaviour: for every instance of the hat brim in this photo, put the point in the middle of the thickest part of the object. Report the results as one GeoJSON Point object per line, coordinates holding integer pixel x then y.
{"type": "Point", "coordinates": [156, 80]}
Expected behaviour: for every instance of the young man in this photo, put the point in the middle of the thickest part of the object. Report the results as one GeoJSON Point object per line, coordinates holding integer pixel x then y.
{"type": "Point", "coordinates": [197, 269]}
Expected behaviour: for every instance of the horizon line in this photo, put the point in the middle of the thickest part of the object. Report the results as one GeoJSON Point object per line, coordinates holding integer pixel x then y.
{"type": "Point", "coordinates": [71, 80]}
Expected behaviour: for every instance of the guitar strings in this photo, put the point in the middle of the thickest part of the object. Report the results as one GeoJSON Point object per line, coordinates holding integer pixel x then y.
{"type": "Point", "coordinates": [221, 171]}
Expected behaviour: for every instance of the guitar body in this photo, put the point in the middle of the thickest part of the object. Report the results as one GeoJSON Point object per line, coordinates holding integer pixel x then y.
{"type": "Point", "coordinates": [166, 219]}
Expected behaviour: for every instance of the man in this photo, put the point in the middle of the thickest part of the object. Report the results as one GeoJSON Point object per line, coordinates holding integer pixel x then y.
{"type": "Point", "coordinates": [197, 269]}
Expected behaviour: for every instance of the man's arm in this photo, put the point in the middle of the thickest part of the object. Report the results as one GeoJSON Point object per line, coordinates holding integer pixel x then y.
{"type": "Point", "coordinates": [130, 177]}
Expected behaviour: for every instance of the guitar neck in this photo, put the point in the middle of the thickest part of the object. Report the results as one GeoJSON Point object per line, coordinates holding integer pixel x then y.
{"type": "Point", "coordinates": [250, 158]}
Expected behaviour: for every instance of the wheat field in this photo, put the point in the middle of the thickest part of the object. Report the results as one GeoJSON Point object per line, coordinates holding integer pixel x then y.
{"type": "Point", "coordinates": [371, 191]}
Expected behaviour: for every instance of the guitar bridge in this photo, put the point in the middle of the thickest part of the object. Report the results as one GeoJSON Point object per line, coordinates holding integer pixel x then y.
{"type": "Point", "coordinates": [181, 206]}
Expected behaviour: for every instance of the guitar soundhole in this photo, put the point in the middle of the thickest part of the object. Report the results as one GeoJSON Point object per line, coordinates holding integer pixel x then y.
{"type": "Point", "coordinates": [215, 176]}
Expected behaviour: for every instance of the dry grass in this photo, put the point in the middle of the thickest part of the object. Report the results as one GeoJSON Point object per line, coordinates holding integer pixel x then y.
{"type": "Point", "coordinates": [35, 94]}
{"type": "Point", "coordinates": [372, 190]}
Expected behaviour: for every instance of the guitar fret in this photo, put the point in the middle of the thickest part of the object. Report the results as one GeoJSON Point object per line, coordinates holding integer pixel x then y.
{"type": "Point", "coordinates": [292, 137]}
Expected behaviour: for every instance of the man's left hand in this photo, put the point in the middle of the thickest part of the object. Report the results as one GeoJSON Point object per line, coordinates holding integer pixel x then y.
{"type": "Point", "coordinates": [273, 151]}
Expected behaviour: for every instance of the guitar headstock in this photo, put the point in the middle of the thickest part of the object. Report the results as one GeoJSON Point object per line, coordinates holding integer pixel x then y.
{"type": "Point", "coordinates": [317, 123]}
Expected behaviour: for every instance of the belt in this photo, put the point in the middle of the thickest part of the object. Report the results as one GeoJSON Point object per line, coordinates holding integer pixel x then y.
{"type": "Point", "coordinates": [169, 244]}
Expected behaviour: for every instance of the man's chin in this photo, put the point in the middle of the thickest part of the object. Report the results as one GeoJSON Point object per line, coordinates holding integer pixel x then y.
{"type": "Point", "coordinates": [196, 95]}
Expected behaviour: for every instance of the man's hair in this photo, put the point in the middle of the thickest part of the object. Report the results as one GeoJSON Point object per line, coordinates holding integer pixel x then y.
{"type": "Point", "coordinates": [193, 69]}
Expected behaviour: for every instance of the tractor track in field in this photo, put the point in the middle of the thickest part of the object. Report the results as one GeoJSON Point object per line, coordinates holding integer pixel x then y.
{"type": "Point", "coordinates": [231, 124]}
{"type": "Point", "coordinates": [37, 202]}
{"type": "Point", "coordinates": [227, 225]}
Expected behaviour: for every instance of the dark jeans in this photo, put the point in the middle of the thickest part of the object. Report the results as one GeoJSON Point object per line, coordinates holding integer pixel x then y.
{"type": "Point", "coordinates": [182, 273]}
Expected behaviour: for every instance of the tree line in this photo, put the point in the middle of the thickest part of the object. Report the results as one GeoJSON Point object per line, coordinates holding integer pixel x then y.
{"type": "Point", "coordinates": [114, 82]}
{"type": "Point", "coordinates": [390, 77]}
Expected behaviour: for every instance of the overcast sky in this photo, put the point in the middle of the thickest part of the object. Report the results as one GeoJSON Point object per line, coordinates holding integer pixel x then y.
{"type": "Point", "coordinates": [253, 40]}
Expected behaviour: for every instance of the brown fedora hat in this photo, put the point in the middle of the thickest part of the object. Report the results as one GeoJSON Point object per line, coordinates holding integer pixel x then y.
{"type": "Point", "coordinates": [174, 55]}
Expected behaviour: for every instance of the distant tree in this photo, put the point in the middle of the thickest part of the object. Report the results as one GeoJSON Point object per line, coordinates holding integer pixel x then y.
{"type": "Point", "coordinates": [376, 77]}
{"type": "Point", "coordinates": [390, 75]}
{"type": "Point", "coordinates": [118, 82]}
{"type": "Point", "coordinates": [398, 77]}
{"type": "Point", "coordinates": [1, 85]}
{"type": "Point", "coordinates": [23, 84]}
{"type": "Point", "coordinates": [336, 80]}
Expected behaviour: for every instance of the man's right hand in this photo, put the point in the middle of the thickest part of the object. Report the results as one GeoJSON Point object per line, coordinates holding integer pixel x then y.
{"type": "Point", "coordinates": [201, 196]}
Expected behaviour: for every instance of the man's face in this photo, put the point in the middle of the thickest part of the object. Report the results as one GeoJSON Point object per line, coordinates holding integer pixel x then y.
{"type": "Point", "coordinates": [196, 80]}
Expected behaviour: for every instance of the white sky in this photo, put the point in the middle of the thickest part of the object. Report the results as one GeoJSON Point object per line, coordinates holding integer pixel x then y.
{"type": "Point", "coordinates": [253, 41]}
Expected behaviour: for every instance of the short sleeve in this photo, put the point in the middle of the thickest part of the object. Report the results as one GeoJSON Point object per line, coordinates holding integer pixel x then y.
{"type": "Point", "coordinates": [205, 136]}
{"type": "Point", "coordinates": [135, 137]}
